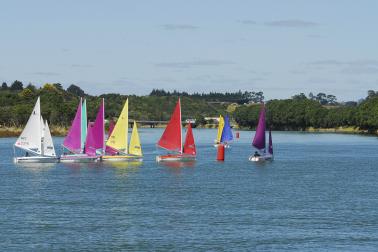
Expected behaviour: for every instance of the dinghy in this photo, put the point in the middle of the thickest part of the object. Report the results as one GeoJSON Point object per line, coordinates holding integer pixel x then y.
{"type": "Point", "coordinates": [116, 145]}
{"type": "Point", "coordinates": [36, 140]}
{"type": "Point", "coordinates": [76, 141]}
{"type": "Point", "coordinates": [259, 141]}
{"type": "Point", "coordinates": [226, 135]}
{"type": "Point", "coordinates": [171, 140]}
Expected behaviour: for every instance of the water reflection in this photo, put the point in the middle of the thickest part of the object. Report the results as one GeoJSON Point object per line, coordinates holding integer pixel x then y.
{"type": "Point", "coordinates": [178, 164]}
{"type": "Point", "coordinates": [36, 167]}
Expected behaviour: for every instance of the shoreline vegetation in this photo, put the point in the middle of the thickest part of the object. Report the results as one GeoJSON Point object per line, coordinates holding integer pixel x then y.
{"type": "Point", "coordinates": [304, 113]}
{"type": "Point", "coordinates": [61, 131]}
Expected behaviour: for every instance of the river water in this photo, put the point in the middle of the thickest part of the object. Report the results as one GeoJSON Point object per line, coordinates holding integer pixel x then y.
{"type": "Point", "coordinates": [320, 194]}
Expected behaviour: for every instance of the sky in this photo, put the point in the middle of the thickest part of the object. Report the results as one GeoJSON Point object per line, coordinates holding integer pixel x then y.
{"type": "Point", "coordinates": [280, 47]}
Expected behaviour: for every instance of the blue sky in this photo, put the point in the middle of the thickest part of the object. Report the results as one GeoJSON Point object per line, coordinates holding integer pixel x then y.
{"type": "Point", "coordinates": [281, 47]}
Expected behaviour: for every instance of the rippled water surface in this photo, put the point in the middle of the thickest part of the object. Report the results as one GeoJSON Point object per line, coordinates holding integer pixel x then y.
{"type": "Point", "coordinates": [320, 194]}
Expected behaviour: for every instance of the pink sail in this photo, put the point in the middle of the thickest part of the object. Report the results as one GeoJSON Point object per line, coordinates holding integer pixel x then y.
{"type": "Point", "coordinates": [259, 139]}
{"type": "Point", "coordinates": [72, 142]}
{"type": "Point", "coordinates": [270, 148]}
{"type": "Point", "coordinates": [95, 143]}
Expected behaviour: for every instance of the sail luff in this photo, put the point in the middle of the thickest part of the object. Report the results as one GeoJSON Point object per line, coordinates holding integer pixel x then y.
{"type": "Point", "coordinates": [270, 148]}
{"type": "Point", "coordinates": [96, 134]}
{"type": "Point", "coordinates": [180, 121]}
{"type": "Point", "coordinates": [118, 139]}
{"type": "Point", "coordinates": [48, 144]}
{"type": "Point", "coordinates": [72, 141]}
{"type": "Point", "coordinates": [135, 147]}
{"type": "Point", "coordinates": [259, 139]}
{"type": "Point", "coordinates": [189, 145]}
{"type": "Point", "coordinates": [227, 132]}
{"type": "Point", "coordinates": [220, 128]}
{"type": "Point", "coordinates": [84, 123]}
{"type": "Point", "coordinates": [171, 138]}
{"type": "Point", "coordinates": [31, 137]}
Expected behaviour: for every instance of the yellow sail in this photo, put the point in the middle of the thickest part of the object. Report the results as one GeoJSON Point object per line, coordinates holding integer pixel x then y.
{"type": "Point", "coordinates": [135, 148]}
{"type": "Point", "coordinates": [119, 137]}
{"type": "Point", "coordinates": [220, 128]}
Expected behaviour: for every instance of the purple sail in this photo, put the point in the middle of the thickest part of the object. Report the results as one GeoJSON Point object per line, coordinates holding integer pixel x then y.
{"type": "Point", "coordinates": [95, 142]}
{"type": "Point", "coordinates": [73, 139]}
{"type": "Point", "coordinates": [259, 139]}
{"type": "Point", "coordinates": [270, 149]}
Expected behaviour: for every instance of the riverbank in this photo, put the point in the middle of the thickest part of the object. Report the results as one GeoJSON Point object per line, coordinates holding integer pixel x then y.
{"type": "Point", "coordinates": [62, 131]}
{"type": "Point", "coordinates": [16, 131]}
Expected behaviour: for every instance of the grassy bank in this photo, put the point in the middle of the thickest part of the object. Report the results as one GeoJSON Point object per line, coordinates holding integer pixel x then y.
{"type": "Point", "coordinates": [15, 131]}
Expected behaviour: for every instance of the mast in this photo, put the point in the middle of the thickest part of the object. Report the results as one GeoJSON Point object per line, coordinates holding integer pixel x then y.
{"type": "Point", "coordinates": [180, 120]}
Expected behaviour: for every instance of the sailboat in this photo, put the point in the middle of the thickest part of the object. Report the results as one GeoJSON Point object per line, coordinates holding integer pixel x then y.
{"type": "Point", "coordinates": [116, 145]}
{"type": "Point", "coordinates": [259, 140]}
{"type": "Point", "coordinates": [171, 140]}
{"type": "Point", "coordinates": [36, 139]}
{"type": "Point", "coordinates": [226, 136]}
{"type": "Point", "coordinates": [82, 140]}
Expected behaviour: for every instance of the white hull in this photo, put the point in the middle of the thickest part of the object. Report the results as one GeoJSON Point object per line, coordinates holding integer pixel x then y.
{"type": "Point", "coordinates": [78, 159]}
{"type": "Point", "coordinates": [227, 146]}
{"type": "Point", "coordinates": [36, 159]}
{"type": "Point", "coordinates": [261, 158]}
{"type": "Point", "coordinates": [169, 158]}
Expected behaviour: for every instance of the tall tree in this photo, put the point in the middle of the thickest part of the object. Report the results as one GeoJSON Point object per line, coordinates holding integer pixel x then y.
{"type": "Point", "coordinates": [73, 89]}
{"type": "Point", "coordinates": [4, 86]}
{"type": "Point", "coordinates": [16, 86]}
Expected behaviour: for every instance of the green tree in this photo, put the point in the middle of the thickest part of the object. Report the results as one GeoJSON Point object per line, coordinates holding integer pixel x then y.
{"type": "Point", "coordinates": [73, 89]}
{"type": "Point", "coordinates": [4, 86]}
{"type": "Point", "coordinates": [16, 86]}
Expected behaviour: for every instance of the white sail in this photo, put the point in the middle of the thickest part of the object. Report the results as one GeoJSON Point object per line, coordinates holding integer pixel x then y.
{"type": "Point", "coordinates": [30, 138]}
{"type": "Point", "coordinates": [48, 145]}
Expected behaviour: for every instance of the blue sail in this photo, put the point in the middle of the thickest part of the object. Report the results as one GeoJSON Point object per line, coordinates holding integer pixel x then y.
{"type": "Point", "coordinates": [226, 133]}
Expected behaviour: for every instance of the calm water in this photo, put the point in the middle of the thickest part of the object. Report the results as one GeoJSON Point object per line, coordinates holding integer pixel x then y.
{"type": "Point", "coordinates": [320, 194]}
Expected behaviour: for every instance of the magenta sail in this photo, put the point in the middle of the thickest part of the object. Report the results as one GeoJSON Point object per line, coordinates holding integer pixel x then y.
{"type": "Point", "coordinates": [270, 149]}
{"type": "Point", "coordinates": [72, 142]}
{"type": "Point", "coordinates": [259, 139]}
{"type": "Point", "coordinates": [95, 142]}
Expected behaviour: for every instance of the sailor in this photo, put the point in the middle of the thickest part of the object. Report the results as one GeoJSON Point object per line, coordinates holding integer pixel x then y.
{"type": "Point", "coordinates": [257, 154]}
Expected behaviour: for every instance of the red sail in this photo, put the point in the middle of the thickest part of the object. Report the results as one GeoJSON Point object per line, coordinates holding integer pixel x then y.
{"type": "Point", "coordinates": [171, 138]}
{"type": "Point", "coordinates": [189, 146]}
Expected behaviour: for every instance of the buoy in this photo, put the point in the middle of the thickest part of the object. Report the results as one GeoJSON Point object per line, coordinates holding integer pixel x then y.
{"type": "Point", "coordinates": [220, 153]}
{"type": "Point", "coordinates": [237, 134]}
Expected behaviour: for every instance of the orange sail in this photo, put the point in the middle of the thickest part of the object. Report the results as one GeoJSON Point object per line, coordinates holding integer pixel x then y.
{"type": "Point", "coordinates": [189, 146]}
{"type": "Point", "coordinates": [172, 138]}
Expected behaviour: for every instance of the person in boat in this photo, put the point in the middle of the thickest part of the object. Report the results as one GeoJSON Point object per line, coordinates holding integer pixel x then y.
{"type": "Point", "coordinates": [256, 154]}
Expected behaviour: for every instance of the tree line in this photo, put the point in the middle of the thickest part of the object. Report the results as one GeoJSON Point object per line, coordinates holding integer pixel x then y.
{"type": "Point", "coordinates": [297, 113]}
{"type": "Point", "coordinates": [301, 112]}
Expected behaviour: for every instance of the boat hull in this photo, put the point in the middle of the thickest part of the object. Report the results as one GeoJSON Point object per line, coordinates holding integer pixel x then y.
{"type": "Point", "coordinates": [36, 159]}
{"type": "Point", "coordinates": [262, 158]}
{"type": "Point", "coordinates": [121, 158]}
{"type": "Point", "coordinates": [175, 157]}
{"type": "Point", "coordinates": [227, 146]}
{"type": "Point", "coordinates": [78, 159]}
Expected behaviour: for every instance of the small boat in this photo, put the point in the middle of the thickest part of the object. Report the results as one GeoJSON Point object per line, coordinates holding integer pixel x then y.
{"type": "Point", "coordinates": [116, 145]}
{"type": "Point", "coordinates": [85, 144]}
{"type": "Point", "coordinates": [171, 140]}
{"type": "Point", "coordinates": [259, 141]}
{"type": "Point", "coordinates": [226, 134]}
{"type": "Point", "coordinates": [36, 140]}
